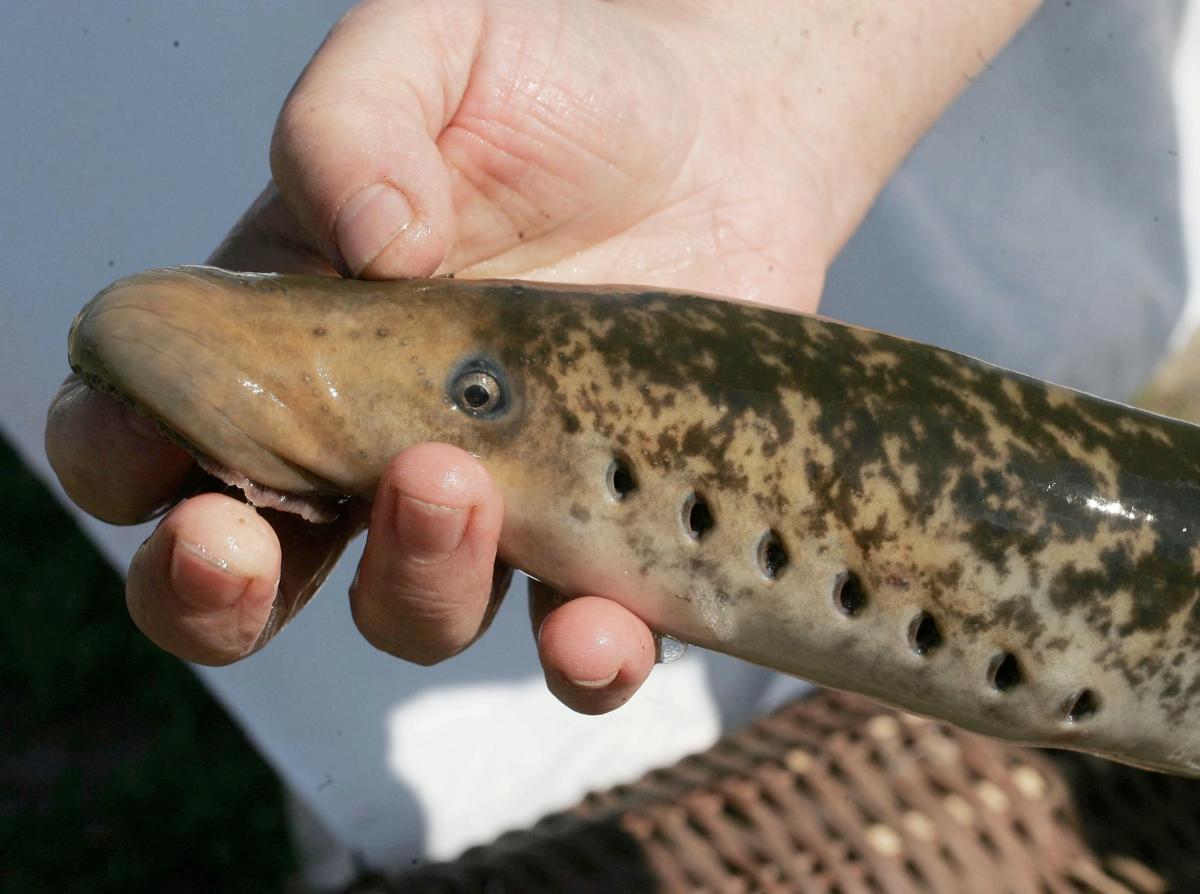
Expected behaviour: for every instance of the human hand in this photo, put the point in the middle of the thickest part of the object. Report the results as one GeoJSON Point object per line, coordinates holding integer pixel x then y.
{"type": "Point", "coordinates": [651, 143]}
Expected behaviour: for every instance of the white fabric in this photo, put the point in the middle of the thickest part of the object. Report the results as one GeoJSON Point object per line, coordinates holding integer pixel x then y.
{"type": "Point", "coordinates": [1037, 225]}
{"type": "Point", "coordinates": [123, 151]}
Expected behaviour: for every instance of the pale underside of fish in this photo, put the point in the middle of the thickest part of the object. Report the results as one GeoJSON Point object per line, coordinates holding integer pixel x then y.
{"type": "Point", "coordinates": [863, 511]}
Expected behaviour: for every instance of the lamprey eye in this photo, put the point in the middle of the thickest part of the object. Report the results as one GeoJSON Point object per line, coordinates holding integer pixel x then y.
{"type": "Point", "coordinates": [478, 392]}
{"type": "Point", "coordinates": [478, 389]}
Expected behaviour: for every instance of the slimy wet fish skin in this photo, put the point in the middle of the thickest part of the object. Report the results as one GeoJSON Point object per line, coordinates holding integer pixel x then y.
{"type": "Point", "coordinates": [863, 511]}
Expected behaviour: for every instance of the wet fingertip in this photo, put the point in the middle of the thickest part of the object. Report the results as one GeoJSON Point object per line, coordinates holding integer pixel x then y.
{"type": "Point", "coordinates": [206, 598]}
{"type": "Point", "coordinates": [428, 532]}
{"type": "Point", "coordinates": [426, 586]}
{"type": "Point", "coordinates": [602, 683]}
{"type": "Point", "coordinates": [367, 223]}
{"type": "Point", "coordinates": [417, 250]}
{"type": "Point", "coordinates": [203, 580]}
{"type": "Point", "coordinates": [442, 503]}
{"type": "Point", "coordinates": [592, 697]}
{"type": "Point", "coordinates": [594, 659]}
{"type": "Point", "coordinates": [220, 553]}
{"type": "Point", "coordinates": [441, 474]}
{"type": "Point", "coordinates": [228, 533]}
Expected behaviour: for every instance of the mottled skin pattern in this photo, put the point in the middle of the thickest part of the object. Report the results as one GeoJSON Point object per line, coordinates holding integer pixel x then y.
{"type": "Point", "coordinates": [863, 511]}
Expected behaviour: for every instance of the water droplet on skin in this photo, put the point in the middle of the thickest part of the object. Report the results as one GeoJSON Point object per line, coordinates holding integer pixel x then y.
{"type": "Point", "coordinates": [668, 649]}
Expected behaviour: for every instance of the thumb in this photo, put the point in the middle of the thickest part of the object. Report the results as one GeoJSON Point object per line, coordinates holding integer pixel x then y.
{"type": "Point", "coordinates": [354, 151]}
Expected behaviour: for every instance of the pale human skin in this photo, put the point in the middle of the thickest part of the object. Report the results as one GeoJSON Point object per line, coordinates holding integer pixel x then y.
{"type": "Point", "coordinates": [725, 147]}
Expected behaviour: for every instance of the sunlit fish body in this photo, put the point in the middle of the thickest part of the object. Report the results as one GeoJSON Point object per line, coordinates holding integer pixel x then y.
{"type": "Point", "coordinates": [863, 511]}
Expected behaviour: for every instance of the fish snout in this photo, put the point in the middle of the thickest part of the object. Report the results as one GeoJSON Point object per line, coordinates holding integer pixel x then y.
{"type": "Point", "coordinates": [182, 346]}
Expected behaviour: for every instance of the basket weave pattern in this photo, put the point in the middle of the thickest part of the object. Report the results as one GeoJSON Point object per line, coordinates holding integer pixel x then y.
{"type": "Point", "coordinates": [836, 794]}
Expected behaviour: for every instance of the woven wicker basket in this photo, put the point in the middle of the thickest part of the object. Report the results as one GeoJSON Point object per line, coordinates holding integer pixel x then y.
{"type": "Point", "coordinates": [836, 794]}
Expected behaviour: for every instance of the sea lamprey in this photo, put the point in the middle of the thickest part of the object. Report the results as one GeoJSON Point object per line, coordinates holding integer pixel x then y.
{"type": "Point", "coordinates": [863, 511]}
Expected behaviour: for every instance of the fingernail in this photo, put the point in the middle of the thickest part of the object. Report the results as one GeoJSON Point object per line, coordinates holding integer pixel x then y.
{"type": "Point", "coordinates": [427, 531]}
{"type": "Point", "coordinates": [596, 684]}
{"type": "Point", "coordinates": [368, 223]}
{"type": "Point", "coordinates": [202, 579]}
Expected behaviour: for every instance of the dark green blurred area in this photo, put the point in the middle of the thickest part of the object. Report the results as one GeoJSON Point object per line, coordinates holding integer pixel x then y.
{"type": "Point", "coordinates": [117, 770]}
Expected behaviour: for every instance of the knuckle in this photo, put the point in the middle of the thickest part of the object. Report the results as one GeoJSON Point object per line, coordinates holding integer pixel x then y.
{"type": "Point", "coordinates": [411, 624]}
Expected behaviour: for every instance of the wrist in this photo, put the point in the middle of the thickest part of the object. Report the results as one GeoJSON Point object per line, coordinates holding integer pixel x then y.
{"type": "Point", "coordinates": [850, 84]}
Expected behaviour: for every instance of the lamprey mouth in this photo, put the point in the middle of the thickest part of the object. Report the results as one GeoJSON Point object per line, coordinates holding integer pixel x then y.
{"type": "Point", "coordinates": [315, 510]}
{"type": "Point", "coordinates": [318, 508]}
